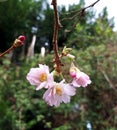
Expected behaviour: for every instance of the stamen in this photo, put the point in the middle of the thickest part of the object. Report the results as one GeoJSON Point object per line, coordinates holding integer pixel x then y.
{"type": "Point", "coordinates": [58, 90]}
{"type": "Point", "coordinates": [43, 77]}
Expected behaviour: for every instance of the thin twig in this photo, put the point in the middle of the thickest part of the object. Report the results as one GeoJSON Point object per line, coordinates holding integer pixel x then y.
{"type": "Point", "coordinates": [92, 4]}
{"type": "Point", "coordinates": [79, 12]}
{"type": "Point", "coordinates": [107, 79]}
{"type": "Point", "coordinates": [7, 51]}
{"type": "Point", "coordinates": [18, 42]}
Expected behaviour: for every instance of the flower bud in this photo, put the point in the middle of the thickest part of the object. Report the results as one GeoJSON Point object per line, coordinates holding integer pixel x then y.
{"type": "Point", "coordinates": [21, 38]}
{"type": "Point", "coordinates": [73, 74]}
{"type": "Point", "coordinates": [73, 70]}
{"type": "Point", "coordinates": [72, 57]}
{"type": "Point", "coordinates": [19, 41]}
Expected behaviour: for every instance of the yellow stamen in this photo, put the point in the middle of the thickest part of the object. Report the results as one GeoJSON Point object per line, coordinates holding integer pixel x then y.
{"type": "Point", "coordinates": [58, 90]}
{"type": "Point", "coordinates": [43, 77]}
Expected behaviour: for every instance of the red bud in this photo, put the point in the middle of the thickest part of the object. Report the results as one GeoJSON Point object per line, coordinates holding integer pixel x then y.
{"type": "Point", "coordinates": [22, 38]}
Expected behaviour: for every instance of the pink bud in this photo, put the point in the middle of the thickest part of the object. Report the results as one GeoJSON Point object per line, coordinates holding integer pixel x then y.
{"type": "Point", "coordinates": [73, 70]}
{"type": "Point", "coordinates": [73, 74]}
{"type": "Point", "coordinates": [22, 38]}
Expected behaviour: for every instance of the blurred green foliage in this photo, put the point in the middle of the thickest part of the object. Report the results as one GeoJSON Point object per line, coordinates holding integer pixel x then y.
{"type": "Point", "coordinates": [20, 16]}
{"type": "Point", "coordinates": [21, 107]}
{"type": "Point", "coordinates": [94, 43]}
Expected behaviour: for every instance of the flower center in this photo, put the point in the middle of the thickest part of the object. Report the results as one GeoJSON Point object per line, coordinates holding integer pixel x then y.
{"type": "Point", "coordinates": [43, 77]}
{"type": "Point", "coordinates": [58, 90]}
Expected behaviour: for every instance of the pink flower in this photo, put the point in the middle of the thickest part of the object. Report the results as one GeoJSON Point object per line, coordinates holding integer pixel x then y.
{"type": "Point", "coordinates": [40, 77]}
{"type": "Point", "coordinates": [60, 92]}
{"type": "Point", "coordinates": [79, 77]}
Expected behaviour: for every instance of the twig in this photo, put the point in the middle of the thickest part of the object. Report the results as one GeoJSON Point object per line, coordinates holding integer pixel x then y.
{"type": "Point", "coordinates": [81, 11]}
{"type": "Point", "coordinates": [91, 5]}
{"type": "Point", "coordinates": [18, 42]}
{"type": "Point", "coordinates": [57, 25]}
{"type": "Point", "coordinates": [107, 79]}
{"type": "Point", "coordinates": [7, 51]}
{"type": "Point", "coordinates": [55, 36]}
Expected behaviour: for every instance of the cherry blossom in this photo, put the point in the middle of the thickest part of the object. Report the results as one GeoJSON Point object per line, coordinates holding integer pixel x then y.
{"type": "Point", "coordinates": [60, 92]}
{"type": "Point", "coordinates": [79, 77]}
{"type": "Point", "coordinates": [40, 77]}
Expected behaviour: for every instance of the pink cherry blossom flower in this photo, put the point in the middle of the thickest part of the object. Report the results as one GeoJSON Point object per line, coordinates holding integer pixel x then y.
{"type": "Point", "coordinates": [40, 77]}
{"type": "Point", "coordinates": [79, 77]}
{"type": "Point", "coordinates": [60, 92]}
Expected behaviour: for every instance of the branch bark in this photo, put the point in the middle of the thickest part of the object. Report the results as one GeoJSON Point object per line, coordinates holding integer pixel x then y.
{"type": "Point", "coordinates": [57, 25]}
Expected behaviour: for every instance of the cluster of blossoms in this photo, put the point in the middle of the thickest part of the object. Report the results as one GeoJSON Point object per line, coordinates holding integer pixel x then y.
{"type": "Point", "coordinates": [57, 92]}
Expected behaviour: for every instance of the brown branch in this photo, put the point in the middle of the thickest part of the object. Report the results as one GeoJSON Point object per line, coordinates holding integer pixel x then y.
{"type": "Point", "coordinates": [7, 51]}
{"type": "Point", "coordinates": [81, 11]}
{"type": "Point", "coordinates": [57, 25]}
{"type": "Point", "coordinates": [18, 42]}
{"type": "Point", "coordinates": [92, 4]}
{"type": "Point", "coordinates": [55, 36]}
